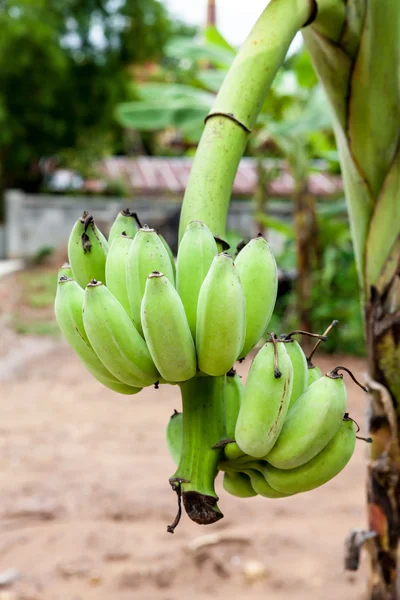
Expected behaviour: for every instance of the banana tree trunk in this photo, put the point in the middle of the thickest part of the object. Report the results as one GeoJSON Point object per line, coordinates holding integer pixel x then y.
{"type": "Point", "coordinates": [355, 48]}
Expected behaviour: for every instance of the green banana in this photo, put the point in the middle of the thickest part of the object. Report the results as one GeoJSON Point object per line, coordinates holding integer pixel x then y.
{"type": "Point", "coordinates": [65, 271]}
{"type": "Point", "coordinates": [174, 436]}
{"type": "Point", "coordinates": [195, 255]}
{"type": "Point", "coordinates": [238, 484]}
{"type": "Point", "coordinates": [115, 339]}
{"type": "Point", "coordinates": [311, 423]}
{"type": "Point", "coordinates": [300, 371]}
{"type": "Point", "coordinates": [126, 222]}
{"type": "Point", "coordinates": [146, 254]}
{"type": "Point", "coordinates": [323, 467]}
{"type": "Point", "coordinates": [221, 317]}
{"type": "Point", "coordinates": [233, 397]}
{"type": "Point", "coordinates": [258, 274]}
{"type": "Point", "coordinates": [265, 400]}
{"type": "Point", "coordinates": [68, 312]}
{"type": "Point", "coordinates": [116, 269]}
{"type": "Point", "coordinates": [166, 330]}
{"type": "Point", "coordinates": [313, 373]}
{"type": "Point", "coordinates": [260, 484]}
{"type": "Point", "coordinates": [170, 254]}
{"type": "Point", "coordinates": [87, 251]}
{"type": "Point", "coordinates": [115, 386]}
{"type": "Point", "coordinates": [232, 451]}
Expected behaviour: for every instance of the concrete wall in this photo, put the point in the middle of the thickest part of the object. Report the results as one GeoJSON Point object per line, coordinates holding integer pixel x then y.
{"type": "Point", "coordinates": [38, 221]}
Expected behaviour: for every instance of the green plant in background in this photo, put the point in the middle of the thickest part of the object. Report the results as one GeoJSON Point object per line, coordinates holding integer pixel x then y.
{"type": "Point", "coordinates": [333, 278]}
{"type": "Point", "coordinates": [72, 80]}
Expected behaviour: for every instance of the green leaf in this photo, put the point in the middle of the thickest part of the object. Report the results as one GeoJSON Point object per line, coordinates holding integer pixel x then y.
{"type": "Point", "coordinates": [385, 225]}
{"type": "Point", "coordinates": [374, 105]}
{"type": "Point", "coordinates": [213, 36]}
{"type": "Point", "coordinates": [278, 225]}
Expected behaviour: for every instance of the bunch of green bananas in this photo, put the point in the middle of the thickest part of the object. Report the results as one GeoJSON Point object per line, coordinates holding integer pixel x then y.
{"type": "Point", "coordinates": [135, 319]}
{"type": "Point", "coordinates": [283, 446]}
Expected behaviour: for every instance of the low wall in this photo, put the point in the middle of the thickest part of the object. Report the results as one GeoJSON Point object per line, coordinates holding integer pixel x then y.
{"type": "Point", "coordinates": [35, 222]}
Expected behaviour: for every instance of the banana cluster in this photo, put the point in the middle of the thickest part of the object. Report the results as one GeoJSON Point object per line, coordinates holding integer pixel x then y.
{"type": "Point", "coordinates": [135, 319]}
{"type": "Point", "coordinates": [282, 446]}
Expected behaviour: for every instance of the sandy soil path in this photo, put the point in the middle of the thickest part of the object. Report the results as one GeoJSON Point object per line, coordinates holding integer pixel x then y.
{"type": "Point", "coordinates": [86, 501]}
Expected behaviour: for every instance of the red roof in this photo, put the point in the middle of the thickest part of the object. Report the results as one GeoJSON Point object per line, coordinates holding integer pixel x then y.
{"type": "Point", "coordinates": [151, 175]}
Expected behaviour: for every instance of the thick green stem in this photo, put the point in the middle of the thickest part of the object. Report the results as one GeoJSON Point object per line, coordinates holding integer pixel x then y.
{"type": "Point", "coordinates": [235, 112]}
{"type": "Point", "coordinates": [203, 427]}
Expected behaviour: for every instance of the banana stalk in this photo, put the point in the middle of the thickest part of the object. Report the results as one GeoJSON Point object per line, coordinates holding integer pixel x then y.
{"type": "Point", "coordinates": [203, 429]}
{"type": "Point", "coordinates": [355, 48]}
{"type": "Point", "coordinates": [206, 199]}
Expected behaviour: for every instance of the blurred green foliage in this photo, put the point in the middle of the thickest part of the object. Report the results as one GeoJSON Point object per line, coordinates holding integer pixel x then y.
{"type": "Point", "coordinates": [64, 65]}
{"type": "Point", "coordinates": [335, 292]}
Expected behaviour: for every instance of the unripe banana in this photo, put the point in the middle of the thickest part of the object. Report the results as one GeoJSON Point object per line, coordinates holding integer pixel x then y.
{"type": "Point", "coordinates": [221, 317]}
{"type": "Point", "coordinates": [323, 467]}
{"type": "Point", "coordinates": [115, 339]}
{"type": "Point", "coordinates": [238, 484]}
{"type": "Point", "coordinates": [115, 386]}
{"type": "Point", "coordinates": [146, 254]}
{"type": "Point", "coordinates": [174, 435]}
{"type": "Point", "coordinates": [126, 222]}
{"type": "Point", "coordinates": [300, 371]}
{"type": "Point", "coordinates": [258, 274]}
{"type": "Point", "coordinates": [166, 330]}
{"type": "Point", "coordinates": [232, 452]}
{"type": "Point", "coordinates": [87, 251]}
{"type": "Point", "coordinates": [195, 255]}
{"type": "Point", "coordinates": [313, 373]}
{"type": "Point", "coordinates": [265, 401]}
{"type": "Point", "coordinates": [116, 269]}
{"type": "Point", "coordinates": [68, 312]}
{"type": "Point", "coordinates": [260, 485]}
{"type": "Point", "coordinates": [65, 271]}
{"type": "Point", "coordinates": [233, 397]}
{"type": "Point", "coordinates": [311, 423]}
{"type": "Point", "coordinates": [170, 254]}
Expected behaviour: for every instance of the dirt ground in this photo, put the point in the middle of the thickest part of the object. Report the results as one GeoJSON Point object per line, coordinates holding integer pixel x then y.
{"type": "Point", "coordinates": [85, 500]}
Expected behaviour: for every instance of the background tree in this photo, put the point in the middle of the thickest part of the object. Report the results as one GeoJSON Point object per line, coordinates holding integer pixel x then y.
{"type": "Point", "coordinates": [70, 65]}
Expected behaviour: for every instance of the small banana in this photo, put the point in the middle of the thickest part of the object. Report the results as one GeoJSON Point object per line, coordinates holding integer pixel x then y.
{"type": "Point", "coordinates": [68, 312]}
{"type": "Point", "coordinates": [258, 274]}
{"type": "Point", "coordinates": [233, 397]}
{"type": "Point", "coordinates": [87, 251]}
{"type": "Point", "coordinates": [170, 254]}
{"type": "Point", "coordinates": [260, 484]}
{"type": "Point", "coordinates": [238, 484]}
{"type": "Point", "coordinates": [221, 317]}
{"type": "Point", "coordinates": [174, 436]}
{"type": "Point", "coordinates": [300, 371]}
{"type": "Point", "coordinates": [166, 330]}
{"type": "Point", "coordinates": [126, 222]}
{"type": "Point", "coordinates": [116, 269]}
{"type": "Point", "coordinates": [115, 386]}
{"type": "Point", "coordinates": [65, 271]}
{"type": "Point", "coordinates": [195, 255]}
{"type": "Point", "coordinates": [320, 469]}
{"type": "Point", "coordinates": [311, 423]}
{"type": "Point", "coordinates": [265, 400]}
{"type": "Point", "coordinates": [232, 452]}
{"type": "Point", "coordinates": [313, 373]}
{"type": "Point", "coordinates": [115, 339]}
{"type": "Point", "coordinates": [146, 254]}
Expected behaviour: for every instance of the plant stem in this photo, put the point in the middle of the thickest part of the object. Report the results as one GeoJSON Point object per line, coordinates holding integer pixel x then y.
{"type": "Point", "coordinates": [235, 111]}
{"type": "Point", "coordinates": [203, 401]}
